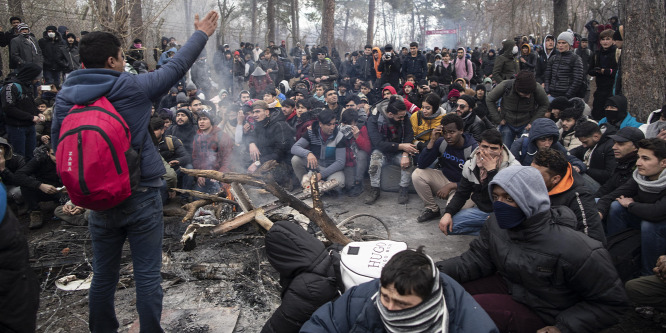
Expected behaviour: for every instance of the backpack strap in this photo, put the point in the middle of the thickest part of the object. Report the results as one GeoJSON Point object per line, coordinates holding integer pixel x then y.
{"type": "Point", "coordinates": [169, 141]}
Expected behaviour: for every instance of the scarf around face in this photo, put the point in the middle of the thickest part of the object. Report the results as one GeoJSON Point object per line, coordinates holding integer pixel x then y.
{"type": "Point", "coordinates": [651, 186]}
{"type": "Point", "coordinates": [431, 316]}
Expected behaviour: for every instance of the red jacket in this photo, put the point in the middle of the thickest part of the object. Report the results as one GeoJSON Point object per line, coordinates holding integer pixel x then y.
{"type": "Point", "coordinates": [212, 151]}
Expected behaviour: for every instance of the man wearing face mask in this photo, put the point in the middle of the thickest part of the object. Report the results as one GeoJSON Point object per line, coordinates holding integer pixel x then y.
{"type": "Point", "coordinates": [530, 270]}
{"type": "Point", "coordinates": [410, 295]}
{"type": "Point", "coordinates": [24, 49]}
{"type": "Point", "coordinates": [616, 113]}
{"type": "Point", "coordinates": [54, 56]}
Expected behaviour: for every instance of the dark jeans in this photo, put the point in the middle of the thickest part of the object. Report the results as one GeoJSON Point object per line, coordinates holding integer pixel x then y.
{"type": "Point", "coordinates": [52, 77]}
{"type": "Point", "coordinates": [138, 219]}
{"type": "Point", "coordinates": [509, 133]}
{"type": "Point", "coordinates": [510, 316]}
{"type": "Point", "coordinates": [23, 140]}
{"type": "Point", "coordinates": [33, 197]}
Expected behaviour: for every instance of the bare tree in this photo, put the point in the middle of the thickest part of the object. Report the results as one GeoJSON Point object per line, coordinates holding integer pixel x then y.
{"type": "Point", "coordinates": [371, 23]}
{"type": "Point", "coordinates": [644, 56]}
{"type": "Point", "coordinates": [295, 33]}
{"type": "Point", "coordinates": [560, 16]}
{"type": "Point", "coordinates": [270, 21]}
{"type": "Point", "coordinates": [328, 24]}
{"type": "Point", "coordinates": [253, 19]}
{"type": "Point", "coordinates": [15, 8]}
{"type": "Point", "coordinates": [136, 20]}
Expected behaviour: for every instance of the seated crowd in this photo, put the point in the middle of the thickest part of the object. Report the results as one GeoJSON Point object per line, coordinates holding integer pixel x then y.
{"type": "Point", "coordinates": [505, 140]}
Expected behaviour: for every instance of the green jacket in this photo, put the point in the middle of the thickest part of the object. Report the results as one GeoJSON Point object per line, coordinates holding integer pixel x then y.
{"type": "Point", "coordinates": [506, 66]}
{"type": "Point", "coordinates": [517, 111]}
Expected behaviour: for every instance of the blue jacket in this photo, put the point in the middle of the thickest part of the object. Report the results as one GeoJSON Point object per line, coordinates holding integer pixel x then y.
{"type": "Point", "coordinates": [418, 66]}
{"type": "Point", "coordinates": [355, 311]}
{"type": "Point", "coordinates": [629, 121]}
{"type": "Point", "coordinates": [132, 96]}
{"type": "Point", "coordinates": [525, 148]}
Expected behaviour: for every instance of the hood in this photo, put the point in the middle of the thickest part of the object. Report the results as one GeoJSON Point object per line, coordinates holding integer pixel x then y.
{"type": "Point", "coordinates": [291, 250]}
{"type": "Point", "coordinates": [389, 88]}
{"type": "Point", "coordinates": [258, 72]}
{"type": "Point", "coordinates": [173, 49]}
{"type": "Point", "coordinates": [85, 85]}
{"type": "Point", "coordinates": [654, 116]}
{"type": "Point", "coordinates": [164, 39]}
{"type": "Point", "coordinates": [284, 87]}
{"type": "Point", "coordinates": [440, 111]}
{"type": "Point", "coordinates": [492, 56]}
{"type": "Point", "coordinates": [28, 72]}
{"type": "Point", "coordinates": [543, 127]}
{"type": "Point", "coordinates": [526, 187]}
{"type": "Point", "coordinates": [9, 150]}
{"type": "Point", "coordinates": [508, 45]}
{"type": "Point", "coordinates": [57, 34]}
{"type": "Point", "coordinates": [529, 48]}
{"type": "Point", "coordinates": [62, 30]}
{"type": "Point", "coordinates": [620, 102]}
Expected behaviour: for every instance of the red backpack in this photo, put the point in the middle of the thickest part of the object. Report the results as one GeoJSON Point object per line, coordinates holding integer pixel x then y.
{"type": "Point", "coordinates": [95, 158]}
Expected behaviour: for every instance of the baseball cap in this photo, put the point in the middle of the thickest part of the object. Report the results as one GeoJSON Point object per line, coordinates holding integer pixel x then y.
{"type": "Point", "coordinates": [632, 134]}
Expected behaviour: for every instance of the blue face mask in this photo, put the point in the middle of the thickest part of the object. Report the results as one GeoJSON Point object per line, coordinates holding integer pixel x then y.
{"type": "Point", "coordinates": [507, 216]}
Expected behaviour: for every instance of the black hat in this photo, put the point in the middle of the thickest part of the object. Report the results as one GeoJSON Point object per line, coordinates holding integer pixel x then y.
{"type": "Point", "coordinates": [625, 134]}
{"type": "Point", "coordinates": [388, 47]}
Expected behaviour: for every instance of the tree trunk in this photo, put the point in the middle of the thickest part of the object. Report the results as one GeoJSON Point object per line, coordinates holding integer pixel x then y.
{"type": "Point", "coordinates": [328, 24]}
{"type": "Point", "coordinates": [120, 21]}
{"type": "Point", "coordinates": [16, 8]}
{"type": "Point", "coordinates": [136, 22]}
{"type": "Point", "coordinates": [294, 23]}
{"type": "Point", "coordinates": [188, 17]}
{"type": "Point", "coordinates": [253, 18]}
{"type": "Point", "coordinates": [413, 30]}
{"type": "Point", "coordinates": [371, 23]}
{"type": "Point", "coordinates": [384, 18]}
{"type": "Point", "coordinates": [344, 35]}
{"type": "Point", "coordinates": [103, 13]}
{"type": "Point", "coordinates": [560, 16]}
{"type": "Point", "coordinates": [644, 56]}
{"type": "Point", "coordinates": [270, 21]}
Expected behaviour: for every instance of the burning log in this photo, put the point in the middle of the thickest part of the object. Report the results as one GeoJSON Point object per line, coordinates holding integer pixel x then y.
{"type": "Point", "coordinates": [316, 213]}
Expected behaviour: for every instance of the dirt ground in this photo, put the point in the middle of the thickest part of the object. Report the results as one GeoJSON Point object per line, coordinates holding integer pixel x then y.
{"type": "Point", "coordinates": [224, 271]}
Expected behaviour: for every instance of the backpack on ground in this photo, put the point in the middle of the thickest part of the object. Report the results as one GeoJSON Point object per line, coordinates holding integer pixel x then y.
{"type": "Point", "coordinates": [625, 251]}
{"type": "Point", "coordinates": [95, 158]}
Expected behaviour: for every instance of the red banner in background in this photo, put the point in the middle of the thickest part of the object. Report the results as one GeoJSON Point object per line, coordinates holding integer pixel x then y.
{"type": "Point", "coordinates": [441, 32]}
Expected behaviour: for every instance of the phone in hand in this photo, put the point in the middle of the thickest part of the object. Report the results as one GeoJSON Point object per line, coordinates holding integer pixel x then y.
{"type": "Point", "coordinates": [46, 87]}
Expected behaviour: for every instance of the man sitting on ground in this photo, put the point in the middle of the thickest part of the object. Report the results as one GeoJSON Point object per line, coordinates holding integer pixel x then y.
{"type": "Point", "coordinates": [450, 147]}
{"type": "Point", "coordinates": [625, 150]}
{"type": "Point", "coordinates": [596, 152]}
{"type": "Point", "coordinates": [490, 157]}
{"type": "Point", "coordinates": [410, 294]}
{"type": "Point", "coordinates": [530, 270]}
{"type": "Point", "coordinates": [567, 188]}
{"type": "Point", "coordinates": [641, 203]}
{"type": "Point", "coordinates": [212, 150]}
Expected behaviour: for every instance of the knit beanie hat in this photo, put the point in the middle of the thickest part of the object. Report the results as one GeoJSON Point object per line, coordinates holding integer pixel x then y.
{"type": "Point", "coordinates": [559, 103]}
{"type": "Point", "coordinates": [454, 93]}
{"type": "Point", "coordinates": [470, 101]}
{"type": "Point", "coordinates": [567, 37]}
{"type": "Point", "coordinates": [210, 115]}
{"type": "Point", "coordinates": [525, 82]}
{"type": "Point", "coordinates": [191, 86]}
{"type": "Point", "coordinates": [408, 83]}
{"type": "Point", "coordinates": [181, 98]}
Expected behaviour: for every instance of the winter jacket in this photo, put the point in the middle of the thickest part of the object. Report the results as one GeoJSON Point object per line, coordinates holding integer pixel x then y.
{"type": "Point", "coordinates": [571, 192]}
{"type": "Point", "coordinates": [441, 73]}
{"type": "Point", "coordinates": [385, 134]}
{"type": "Point", "coordinates": [628, 120]}
{"type": "Point", "coordinates": [622, 173]}
{"type": "Point", "coordinates": [324, 68]}
{"type": "Point", "coordinates": [390, 70]}
{"type": "Point", "coordinates": [18, 103]}
{"type": "Point", "coordinates": [365, 68]}
{"type": "Point", "coordinates": [422, 125]}
{"type": "Point", "coordinates": [565, 277]}
{"type": "Point", "coordinates": [602, 160]}
{"type": "Point", "coordinates": [178, 152]}
{"type": "Point", "coordinates": [212, 151]}
{"type": "Point", "coordinates": [132, 96]}
{"type": "Point", "coordinates": [604, 59]}
{"type": "Point", "coordinates": [585, 55]}
{"type": "Point", "coordinates": [516, 111]}
{"type": "Point", "coordinates": [488, 64]}
{"type": "Point", "coordinates": [592, 34]}
{"type": "Point", "coordinates": [73, 58]}
{"type": "Point", "coordinates": [164, 58]}
{"type": "Point", "coordinates": [259, 83]}
{"type": "Point", "coordinates": [448, 162]}
{"type": "Point", "coordinates": [7, 176]}
{"type": "Point", "coordinates": [471, 185]}
{"type": "Point", "coordinates": [564, 75]}
{"type": "Point", "coordinates": [525, 148]}
{"type": "Point", "coordinates": [53, 53]}
{"type": "Point", "coordinates": [417, 66]}
{"type": "Point", "coordinates": [185, 133]}
{"type": "Point", "coordinates": [646, 206]}
{"type": "Point", "coordinates": [331, 154]}
{"type": "Point", "coordinates": [474, 125]}
{"type": "Point", "coordinates": [307, 275]}
{"type": "Point", "coordinates": [39, 170]}
{"type": "Point", "coordinates": [273, 137]}
{"type": "Point", "coordinates": [569, 140]}
{"type": "Point", "coordinates": [505, 65]}
{"type": "Point", "coordinates": [356, 311]}
{"type": "Point", "coordinates": [542, 62]}
{"type": "Point", "coordinates": [24, 49]}
{"type": "Point", "coordinates": [530, 61]}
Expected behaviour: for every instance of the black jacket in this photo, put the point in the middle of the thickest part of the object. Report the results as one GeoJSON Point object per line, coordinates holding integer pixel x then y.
{"type": "Point", "coordinates": [623, 170]}
{"type": "Point", "coordinates": [602, 161]}
{"type": "Point", "coordinates": [443, 75]}
{"type": "Point", "coordinates": [24, 50]}
{"type": "Point", "coordinates": [307, 275]}
{"type": "Point", "coordinates": [604, 59]}
{"type": "Point", "coordinates": [365, 68]}
{"type": "Point", "coordinates": [380, 134]}
{"type": "Point", "coordinates": [474, 125]}
{"type": "Point", "coordinates": [178, 152]}
{"type": "Point", "coordinates": [184, 132]}
{"type": "Point", "coordinates": [417, 66]}
{"type": "Point", "coordinates": [565, 277]}
{"type": "Point", "coordinates": [18, 106]}
{"type": "Point", "coordinates": [579, 199]}
{"type": "Point", "coordinates": [39, 170]}
{"type": "Point", "coordinates": [564, 75]}
{"type": "Point", "coordinates": [11, 167]}
{"type": "Point", "coordinates": [53, 52]}
{"type": "Point", "coordinates": [646, 206]}
{"type": "Point", "coordinates": [390, 70]}
{"type": "Point", "coordinates": [273, 138]}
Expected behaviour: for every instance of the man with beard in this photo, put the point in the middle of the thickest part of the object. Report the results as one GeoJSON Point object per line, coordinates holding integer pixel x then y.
{"type": "Point", "coordinates": [567, 188]}
{"type": "Point", "coordinates": [625, 151]}
{"type": "Point", "coordinates": [171, 148]}
{"type": "Point", "coordinates": [184, 129]}
{"type": "Point", "coordinates": [212, 150]}
{"type": "Point", "coordinates": [271, 140]}
{"type": "Point", "coordinates": [450, 147]}
{"type": "Point", "coordinates": [466, 110]}
{"type": "Point", "coordinates": [596, 151]}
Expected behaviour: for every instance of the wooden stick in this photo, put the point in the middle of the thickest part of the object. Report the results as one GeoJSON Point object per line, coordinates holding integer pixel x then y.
{"type": "Point", "coordinates": [206, 196]}
{"type": "Point", "coordinates": [192, 207]}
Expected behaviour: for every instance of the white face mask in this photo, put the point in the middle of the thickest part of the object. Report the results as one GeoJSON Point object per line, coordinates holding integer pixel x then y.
{"type": "Point", "coordinates": [515, 49]}
{"type": "Point", "coordinates": [51, 34]}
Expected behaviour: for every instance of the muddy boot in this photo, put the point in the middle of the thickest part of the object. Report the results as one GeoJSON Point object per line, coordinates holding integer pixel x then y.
{"type": "Point", "coordinates": [403, 195]}
{"type": "Point", "coordinates": [35, 220]}
{"type": "Point", "coordinates": [372, 196]}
